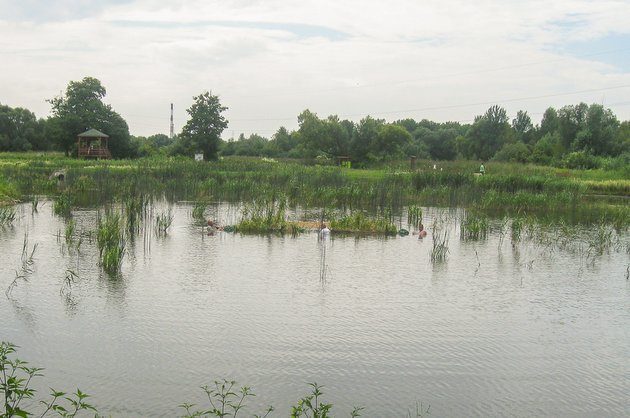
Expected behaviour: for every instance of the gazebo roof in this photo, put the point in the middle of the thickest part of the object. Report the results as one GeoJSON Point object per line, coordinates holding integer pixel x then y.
{"type": "Point", "coordinates": [93, 133]}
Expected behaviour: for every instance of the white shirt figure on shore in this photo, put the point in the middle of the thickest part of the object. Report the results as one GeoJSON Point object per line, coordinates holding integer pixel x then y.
{"type": "Point", "coordinates": [324, 232]}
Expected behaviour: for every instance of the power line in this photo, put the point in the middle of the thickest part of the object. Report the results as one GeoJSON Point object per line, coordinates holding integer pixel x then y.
{"type": "Point", "coordinates": [423, 109]}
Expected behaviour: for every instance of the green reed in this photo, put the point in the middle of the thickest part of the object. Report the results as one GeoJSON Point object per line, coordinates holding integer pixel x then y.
{"type": "Point", "coordinates": [414, 215]}
{"type": "Point", "coordinates": [359, 222]}
{"type": "Point", "coordinates": [266, 216]}
{"type": "Point", "coordinates": [63, 204]}
{"type": "Point", "coordinates": [111, 242]}
{"type": "Point", "coordinates": [135, 210]}
{"type": "Point", "coordinates": [474, 227]}
{"type": "Point", "coordinates": [7, 215]}
{"type": "Point", "coordinates": [439, 249]}
{"type": "Point", "coordinates": [163, 222]}
{"type": "Point", "coordinates": [199, 211]}
{"type": "Point", "coordinates": [70, 230]}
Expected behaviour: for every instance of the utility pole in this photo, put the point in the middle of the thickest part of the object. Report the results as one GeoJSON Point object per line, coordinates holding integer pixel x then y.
{"type": "Point", "coordinates": [172, 126]}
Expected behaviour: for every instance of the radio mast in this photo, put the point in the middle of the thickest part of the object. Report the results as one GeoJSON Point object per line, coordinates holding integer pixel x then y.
{"type": "Point", "coordinates": [172, 126]}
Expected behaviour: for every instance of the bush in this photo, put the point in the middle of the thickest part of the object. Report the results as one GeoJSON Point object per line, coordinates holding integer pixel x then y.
{"type": "Point", "coordinates": [580, 160]}
{"type": "Point", "coordinates": [516, 152]}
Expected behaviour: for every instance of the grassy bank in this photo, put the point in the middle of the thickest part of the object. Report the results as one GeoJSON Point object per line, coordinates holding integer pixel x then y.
{"type": "Point", "coordinates": [505, 189]}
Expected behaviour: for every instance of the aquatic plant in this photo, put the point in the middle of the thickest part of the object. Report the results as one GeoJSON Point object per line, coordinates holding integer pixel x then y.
{"type": "Point", "coordinates": [266, 216]}
{"type": "Point", "coordinates": [7, 215]}
{"type": "Point", "coordinates": [199, 211]}
{"type": "Point", "coordinates": [360, 222]}
{"type": "Point", "coordinates": [163, 222]}
{"type": "Point", "coordinates": [63, 204]}
{"type": "Point", "coordinates": [516, 229]}
{"type": "Point", "coordinates": [473, 227]}
{"type": "Point", "coordinates": [111, 242]}
{"type": "Point", "coordinates": [69, 231]}
{"type": "Point", "coordinates": [135, 209]}
{"type": "Point", "coordinates": [414, 215]}
{"type": "Point", "coordinates": [34, 204]}
{"type": "Point", "coordinates": [439, 249]}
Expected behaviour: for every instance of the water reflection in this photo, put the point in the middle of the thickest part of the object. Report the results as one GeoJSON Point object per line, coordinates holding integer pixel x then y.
{"type": "Point", "coordinates": [491, 330]}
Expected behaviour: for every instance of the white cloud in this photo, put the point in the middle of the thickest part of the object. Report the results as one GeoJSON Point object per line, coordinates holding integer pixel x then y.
{"type": "Point", "coordinates": [270, 60]}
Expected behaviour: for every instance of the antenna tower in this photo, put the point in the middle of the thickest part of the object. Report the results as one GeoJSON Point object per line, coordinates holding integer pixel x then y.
{"type": "Point", "coordinates": [172, 126]}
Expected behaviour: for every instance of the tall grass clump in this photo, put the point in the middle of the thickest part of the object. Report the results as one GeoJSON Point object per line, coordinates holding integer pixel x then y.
{"type": "Point", "coordinates": [163, 222]}
{"type": "Point", "coordinates": [439, 250]}
{"type": "Point", "coordinates": [7, 215]}
{"type": "Point", "coordinates": [135, 212]}
{"type": "Point", "coordinates": [414, 215]}
{"type": "Point", "coordinates": [199, 211]}
{"type": "Point", "coordinates": [261, 217]}
{"type": "Point", "coordinates": [473, 227]}
{"type": "Point", "coordinates": [111, 242]}
{"type": "Point", "coordinates": [361, 223]}
{"type": "Point", "coordinates": [63, 204]}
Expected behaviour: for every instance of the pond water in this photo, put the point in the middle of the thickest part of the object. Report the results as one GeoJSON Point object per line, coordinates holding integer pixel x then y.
{"type": "Point", "coordinates": [495, 330]}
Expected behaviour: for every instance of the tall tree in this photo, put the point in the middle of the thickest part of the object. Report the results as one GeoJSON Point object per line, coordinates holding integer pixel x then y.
{"type": "Point", "coordinates": [82, 108]}
{"type": "Point", "coordinates": [549, 123]}
{"type": "Point", "coordinates": [599, 132]}
{"type": "Point", "coordinates": [365, 135]}
{"type": "Point", "coordinates": [20, 130]}
{"type": "Point", "coordinates": [571, 120]}
{"type": "Point", "coordinates": [489, 133]}
{"type": "Point", "coordinates": [202, 132]}
{"type": "Point", "coordinates": [522, 125]}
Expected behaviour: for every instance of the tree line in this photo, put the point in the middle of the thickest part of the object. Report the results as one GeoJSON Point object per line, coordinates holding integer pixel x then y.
{"type": "Point", "coordinates": [577, 136]}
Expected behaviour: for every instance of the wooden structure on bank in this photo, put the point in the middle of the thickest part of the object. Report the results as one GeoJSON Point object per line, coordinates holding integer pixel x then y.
{"type": "Point", "coordinates": [93, 144]}
{"type": "Point", "coordinates": [344, 161]}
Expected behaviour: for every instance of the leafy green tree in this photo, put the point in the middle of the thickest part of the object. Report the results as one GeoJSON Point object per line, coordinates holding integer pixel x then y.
{"type": "Point", "coordinates": [283, 141]}
{"type": "Point", "coordinates": [523, 127]}
{"type": "Point", "coordinates": [441, 144]}
{"type": "Point", "coordinates": [202, 132]}
{"type": "Point", "coordinates": [365, 135]}
{"type": "Point", "coordinates": [489, 133]}
{"type": "Point", "coordinates": [548, 149]}
{"type": "Point", "coordinates": [82, 108]}
{"type": "Point", "coordinates": [623, 137]}
{"type": "Point", "coordinates": [599, 133]}
{"type": "Point", "coordinates": [330, 137]}
{"type": "Point", "coordinates": [390, 142]}
{"type": "Point", "coordinates": [571, 120]}
{"type": "Point", "coordinates": [20, 130]}
{"type": "Point", "coordinates": [549, 123]}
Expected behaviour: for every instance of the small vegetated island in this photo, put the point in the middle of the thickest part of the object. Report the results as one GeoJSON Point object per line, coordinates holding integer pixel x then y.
{"type": "Point", "coordinates": [568, 172]}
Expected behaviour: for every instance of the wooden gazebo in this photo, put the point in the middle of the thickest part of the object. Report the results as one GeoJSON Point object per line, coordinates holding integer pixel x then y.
{"type": "Point", "coordinates": [93, 144]}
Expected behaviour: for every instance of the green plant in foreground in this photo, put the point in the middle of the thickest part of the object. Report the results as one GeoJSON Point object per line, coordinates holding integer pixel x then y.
{"type": "Point", "coordinates": [15, 389]}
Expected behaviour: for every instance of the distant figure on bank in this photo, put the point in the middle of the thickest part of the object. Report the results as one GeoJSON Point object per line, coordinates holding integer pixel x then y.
{"type": "Point", "coordinates": [324, 231]}
{"type": "Point", "coordinates": [482, 169]}
{"type": "Point", "coordinates": [421, 231]}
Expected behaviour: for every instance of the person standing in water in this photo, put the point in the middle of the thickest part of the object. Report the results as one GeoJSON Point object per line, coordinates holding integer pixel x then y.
{"type": "Point", "coordinates": [324, 231]}
{"type": "Point", "coordinates": [421, 231]}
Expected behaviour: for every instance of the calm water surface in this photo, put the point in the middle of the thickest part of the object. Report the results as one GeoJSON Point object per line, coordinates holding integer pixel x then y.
{"type": "Point", "coordinates": [522, 330]}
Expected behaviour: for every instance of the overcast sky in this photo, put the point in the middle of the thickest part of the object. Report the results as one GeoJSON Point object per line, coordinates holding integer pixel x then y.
{"type": "Point", "coordinates": [269, 60]}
